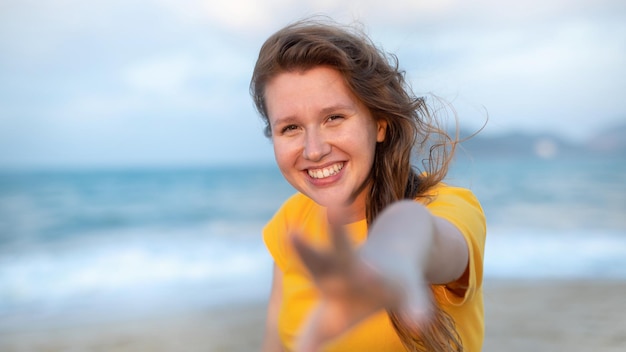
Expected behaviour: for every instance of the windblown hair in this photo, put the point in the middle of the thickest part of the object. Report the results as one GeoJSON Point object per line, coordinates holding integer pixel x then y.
{"type": "Point", "coordinates": [374, 77]}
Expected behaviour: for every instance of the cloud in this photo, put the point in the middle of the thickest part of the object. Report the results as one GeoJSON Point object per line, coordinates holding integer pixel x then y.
{"type": "Point", "coordinates": [166, 75]}
{"type": "Point", "coordinates": [138, 72]}
{"type": "Point", "coordinates": [560, 77]}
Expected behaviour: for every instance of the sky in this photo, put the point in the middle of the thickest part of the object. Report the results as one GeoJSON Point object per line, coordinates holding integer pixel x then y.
{"type": "Point", "coordinates": [131, 83]}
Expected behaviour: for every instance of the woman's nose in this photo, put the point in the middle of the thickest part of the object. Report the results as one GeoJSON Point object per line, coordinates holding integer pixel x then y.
{"type": "Point", "coordinates": [315, 146]}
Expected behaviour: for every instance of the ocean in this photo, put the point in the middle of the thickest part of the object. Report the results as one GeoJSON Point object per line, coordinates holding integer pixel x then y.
{"type": "Point", "coordinates": [106, 244]}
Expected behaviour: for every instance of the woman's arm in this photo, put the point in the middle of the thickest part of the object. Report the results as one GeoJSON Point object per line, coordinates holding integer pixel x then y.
{"type": "Point", "coordinates": [407, 230]}
{"type": "Point", "coordinates": [407, 249]}
{"type": "Point", "coordinates": [271, 340]}
{"type": "Point", "coordinates": [411, 248]}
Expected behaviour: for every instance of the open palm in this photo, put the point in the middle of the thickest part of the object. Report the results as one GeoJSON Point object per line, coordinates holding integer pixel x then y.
{"type": "Point", "coordinates": [353, 288]}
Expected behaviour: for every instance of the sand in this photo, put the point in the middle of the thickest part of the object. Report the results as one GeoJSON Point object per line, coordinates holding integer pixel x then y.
{"type": "Point", "coordinates": [555, 316]}
{"type": "Point", "coordinates": [530, 316]}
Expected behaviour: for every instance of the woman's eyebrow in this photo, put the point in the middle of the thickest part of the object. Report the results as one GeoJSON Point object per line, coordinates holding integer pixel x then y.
{"type": "Point", "coordinates": [337, 107]}
{"type": "Point", "coordinates": [284, 120]}
{"type": "Point", "coordinates": [324, 111]}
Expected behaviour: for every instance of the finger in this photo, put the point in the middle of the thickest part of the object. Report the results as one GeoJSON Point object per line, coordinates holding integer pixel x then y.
{"type": "Point", "coordinates": [418, 307]}
{"type": "Point", "coordinates": [324, 324]}
{"type": "Point", "coordinates": [340, 241]}
{"type": "Point", "coordinates": [315, 261]}
{"type": "Point", "coordinates": [311, 336]}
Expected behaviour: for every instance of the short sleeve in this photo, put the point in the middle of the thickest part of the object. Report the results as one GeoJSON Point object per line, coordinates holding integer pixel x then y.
{"type": "Point", "coordinates": [460, 207]}
{"type": "Point", "coordinates": [293, 215]}
{"type": "Point", "coordinates": [274, 236]}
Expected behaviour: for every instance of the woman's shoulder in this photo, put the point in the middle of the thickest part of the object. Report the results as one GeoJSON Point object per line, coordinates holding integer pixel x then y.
{"type": "Point", "coordinates": [445, 190]}
{"type": "Point", "coordinates": [298, 201]}
{"type": "Point", "coordinates": [458, 205]}
{"type": "Point", "coordinates": [298, 206]}
{"type": "Point", "coordinates": [455, 203]}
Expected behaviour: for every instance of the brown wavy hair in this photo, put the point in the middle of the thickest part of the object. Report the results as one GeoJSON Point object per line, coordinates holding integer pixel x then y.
{"type": "Point", "coordinates": [375, 79]}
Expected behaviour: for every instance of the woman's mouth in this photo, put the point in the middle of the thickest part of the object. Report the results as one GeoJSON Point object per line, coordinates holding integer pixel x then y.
{"type": "Point", "coordinates": [326, 171]}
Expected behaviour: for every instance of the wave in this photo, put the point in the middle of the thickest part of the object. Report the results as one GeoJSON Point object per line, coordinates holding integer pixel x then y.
{"type": "Point", "coordinates": [540, 254]}
{"type": "Point", "coordinates": [136, 266]}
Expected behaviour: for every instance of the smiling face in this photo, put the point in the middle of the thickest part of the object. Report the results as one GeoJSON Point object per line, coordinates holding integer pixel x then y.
{"type": "Point", "coordinates": [324, 137]}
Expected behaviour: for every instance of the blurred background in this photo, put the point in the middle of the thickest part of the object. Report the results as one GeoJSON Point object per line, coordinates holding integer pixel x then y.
{"type": "Point", "coordinates": [134, 173]}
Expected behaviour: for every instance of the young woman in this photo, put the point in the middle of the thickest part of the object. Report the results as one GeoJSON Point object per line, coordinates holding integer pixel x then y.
{"type": "Point", "coordinates": [371, 253]}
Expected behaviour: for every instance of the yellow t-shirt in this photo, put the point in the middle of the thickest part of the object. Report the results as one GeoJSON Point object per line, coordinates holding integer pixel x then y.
{"type": "Point", "coordinates": [301, 215]}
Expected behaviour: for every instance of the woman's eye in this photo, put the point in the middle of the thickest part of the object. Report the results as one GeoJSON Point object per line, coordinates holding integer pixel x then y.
{"type": "Point", "coordinates": [289, 128]}
{"type": "Point", "coordinates": [334, 117]}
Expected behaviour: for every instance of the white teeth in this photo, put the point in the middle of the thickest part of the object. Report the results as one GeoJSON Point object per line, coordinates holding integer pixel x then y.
{"type": "Point", "coordinates": [326, 172]}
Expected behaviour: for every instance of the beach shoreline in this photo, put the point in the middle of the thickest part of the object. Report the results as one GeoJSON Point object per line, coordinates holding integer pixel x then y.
{"type": "Point", "coordinates": [533, 315]}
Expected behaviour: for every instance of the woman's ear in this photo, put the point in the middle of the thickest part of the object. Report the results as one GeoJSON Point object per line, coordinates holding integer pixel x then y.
{"type": "Point", "coordinates": [382, 130]}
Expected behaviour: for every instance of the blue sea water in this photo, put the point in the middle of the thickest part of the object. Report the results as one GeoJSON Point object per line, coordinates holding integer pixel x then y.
{"type": "Point", "coordinates": [123, 242]}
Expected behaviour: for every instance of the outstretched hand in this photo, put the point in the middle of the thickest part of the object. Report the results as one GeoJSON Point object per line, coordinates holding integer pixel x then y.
{"type": "Point", "coordinates": [354, 286]}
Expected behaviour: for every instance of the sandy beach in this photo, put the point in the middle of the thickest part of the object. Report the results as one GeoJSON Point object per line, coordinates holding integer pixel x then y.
{"type": "Point", "coordinates": [555, 316]}
{"type": "Point", "coordinates": [527, 316]}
